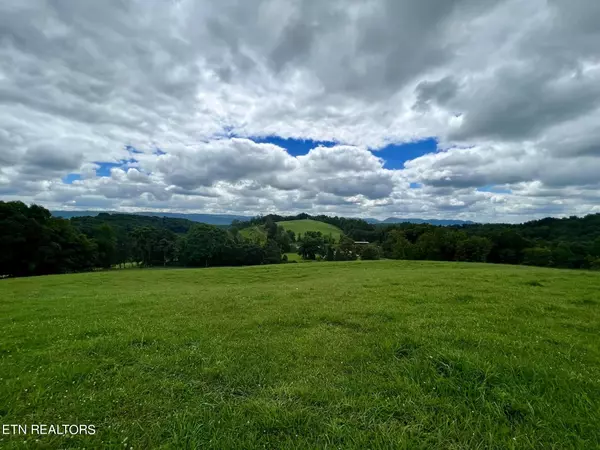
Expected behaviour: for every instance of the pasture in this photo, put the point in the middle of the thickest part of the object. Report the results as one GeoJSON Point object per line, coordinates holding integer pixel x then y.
{"type": "Point", "coordinates": [382, 354]}
{"type": "Point", "coordinates": [302, 226]}
{"type": "Point", "coordinates": [256, 234]}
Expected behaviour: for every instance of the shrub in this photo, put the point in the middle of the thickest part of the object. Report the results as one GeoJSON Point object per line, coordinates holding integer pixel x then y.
{"type": "Point", "coordinates": [370, 252]}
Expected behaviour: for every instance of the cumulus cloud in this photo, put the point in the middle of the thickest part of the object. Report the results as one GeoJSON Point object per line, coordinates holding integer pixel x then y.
{"type": "Point", "coordinates": [174, 94]}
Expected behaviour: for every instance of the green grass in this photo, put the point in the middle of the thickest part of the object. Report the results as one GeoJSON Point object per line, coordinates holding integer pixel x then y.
{"type": "Point", "coordinates": [302, 226]}
{"type": "Point", "coordinates": [335, 355]}
{"type": "Point", "coordinates": [294, 256]}
{"type": "Point", "coordinates": [255, 234]}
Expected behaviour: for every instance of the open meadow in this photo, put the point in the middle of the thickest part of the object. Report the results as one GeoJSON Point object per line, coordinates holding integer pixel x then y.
{"type": "Point", "coordinates": [304, 225]}
{"type": "Point", "coordinates": [382, 354]}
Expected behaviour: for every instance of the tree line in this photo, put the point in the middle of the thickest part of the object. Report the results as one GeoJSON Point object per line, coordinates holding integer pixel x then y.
{"type": "Point", "coordinates": [572, 242]}
{"type": "Point", "coordinates": [33, 242]}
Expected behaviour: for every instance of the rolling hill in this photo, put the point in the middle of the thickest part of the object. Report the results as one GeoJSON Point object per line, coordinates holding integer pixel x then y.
{"type": "Point", "coordinates": [302, 226]}
{"type": "Point", "coordinates": [255, 233]}
{"type": "Point", "coordinates": [211, 219]}
{"type": "Point", "coordinates": [258, 234]}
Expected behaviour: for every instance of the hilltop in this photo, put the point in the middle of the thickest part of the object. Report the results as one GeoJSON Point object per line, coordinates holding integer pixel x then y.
{"type": "Point", "coordinates": [257, 233]}
{"type": "Point", "coordinates": [302, 226]}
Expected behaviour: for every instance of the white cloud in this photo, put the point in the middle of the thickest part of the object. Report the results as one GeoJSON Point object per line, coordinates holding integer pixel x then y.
{"type": "Point", "coordinates": [511, 89]}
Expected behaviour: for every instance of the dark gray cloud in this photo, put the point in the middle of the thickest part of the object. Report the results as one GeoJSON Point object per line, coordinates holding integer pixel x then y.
{"type": "Point", "coordinates": [532, 101]}
{"type": "Point", "coordinates": [440, 91]}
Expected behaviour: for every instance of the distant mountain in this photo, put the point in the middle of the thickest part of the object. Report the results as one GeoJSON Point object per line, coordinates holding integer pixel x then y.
{"type": "Point", "coordinates": [226, 219]}
{"type": "Point", "coordinates": [69, 214]}
{"type": "Point", "coordinates": [211, 219]}
{"type": "Point", "coordinates": [440, 222]}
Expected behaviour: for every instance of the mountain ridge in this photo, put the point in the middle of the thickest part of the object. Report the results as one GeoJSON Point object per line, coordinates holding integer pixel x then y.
{"type": "Point", "coordinates": [227, 219]}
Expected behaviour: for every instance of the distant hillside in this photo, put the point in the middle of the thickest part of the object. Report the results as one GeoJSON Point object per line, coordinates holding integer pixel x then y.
{"type": "Point", "coordinates": [255, 233]}
{"type": "Point", "coordinates": [440, 222]}
{"type": "Point", "coordinates": [258, 234]}
{"type": "Point", "coordinates": [70, 214]}
{"type": "Point", "coordinates": [302, 226]}
{"type": "Point", "coordinates": [211, 219]}
{"type": "Point", "coordinates": [227, 219]}
{"type": "Point", "coordinates": [125, 223]}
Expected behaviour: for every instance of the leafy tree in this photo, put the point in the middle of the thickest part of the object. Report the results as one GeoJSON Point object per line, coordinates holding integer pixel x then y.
{"type": "Point", "coordinates": [271, 228]}
{"type": "Point", "coordinates": [428, 247]}
{"type": "Point", "coordinates": [283, 239]}
{"type": "Point", "coordinates": [562, 256]}
{"type": "Point", "coordinates": [370, 252]}
{"type": "Point", "coordinates": [144, 241]}
{"type": "Point", "coordinates": [474, 249]}
{"type": "Point", "coordinates": [204, 244]}
{"type": "Point", "coordinates": [32, 242]}
{"type": "Point", "coordinates": [106, 242]}
{"type": "Point", "coordinates": [330, 253]}
{"type": "Point", "coordinates": [167, 248]}
{"type": "Point", "coordinates": [235, 233]}
{"type": "Point", "coordinates": [396, 246]}
{"type": "Point", "coordinates": [537, 256]}
{"type": "Point", "coordinates": [272, 252]}
{"type": "Point", "coordinates": [508, 246]}
{"type": "Point", "coordinates": [346, 250]}
{"type": "Point", "coordinates": [340, 256]}
{"type": "Point", "coordinates": [595, 249]}
{"type": "Point", "coordinates": [124, 250]}
{"type": "Point", "coordinates": [311, 245]}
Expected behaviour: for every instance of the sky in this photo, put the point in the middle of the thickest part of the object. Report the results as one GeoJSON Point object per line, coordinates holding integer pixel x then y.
{"type": "Point", "coordinates": [484, 110]}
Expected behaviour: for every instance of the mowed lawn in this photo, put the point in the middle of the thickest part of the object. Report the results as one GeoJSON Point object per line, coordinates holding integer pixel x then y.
{"type": "Point", "coordinates": [302, 226]}
{"type": "Point", "coordinates": [382, 354]}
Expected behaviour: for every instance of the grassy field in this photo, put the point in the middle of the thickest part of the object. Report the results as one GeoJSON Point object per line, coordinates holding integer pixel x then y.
{"type": "Point", "coordinates": [255, 234]}
{"type": "Point", "coordinates": [294, 256]}
{"type": "Point", "coordinates": [328, 355]}
{"type": "Point", "coordinates": [302, 226]}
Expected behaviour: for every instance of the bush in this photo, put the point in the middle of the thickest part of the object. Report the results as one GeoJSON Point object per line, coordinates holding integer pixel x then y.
{"type": "Point", "coordinates": [537, 256]}
{"type": "Point", "coordinates": [370, 252]}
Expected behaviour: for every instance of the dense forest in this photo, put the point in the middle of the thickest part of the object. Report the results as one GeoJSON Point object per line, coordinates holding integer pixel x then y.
{"type": "Point", "coordinates": [33, 242]}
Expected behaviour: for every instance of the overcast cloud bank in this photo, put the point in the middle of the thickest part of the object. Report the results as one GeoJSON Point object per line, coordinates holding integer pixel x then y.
{"type": "Point", "coordinates": [138, 105]}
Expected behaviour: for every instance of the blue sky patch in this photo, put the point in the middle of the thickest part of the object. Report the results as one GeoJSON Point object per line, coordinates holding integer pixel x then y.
{"type": "Point", "coordinates": [395, 155]}
{"type": "Point", "coordinates": [71, 177]}
{"type": "Point", "coordinates": [494, 189]}
{"type": "Point", "coordinates": [104, 169]}
{"type": "Point", "coordinates": [294, 147]}
{"type": "Point", "coordinates": [416, 185]}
